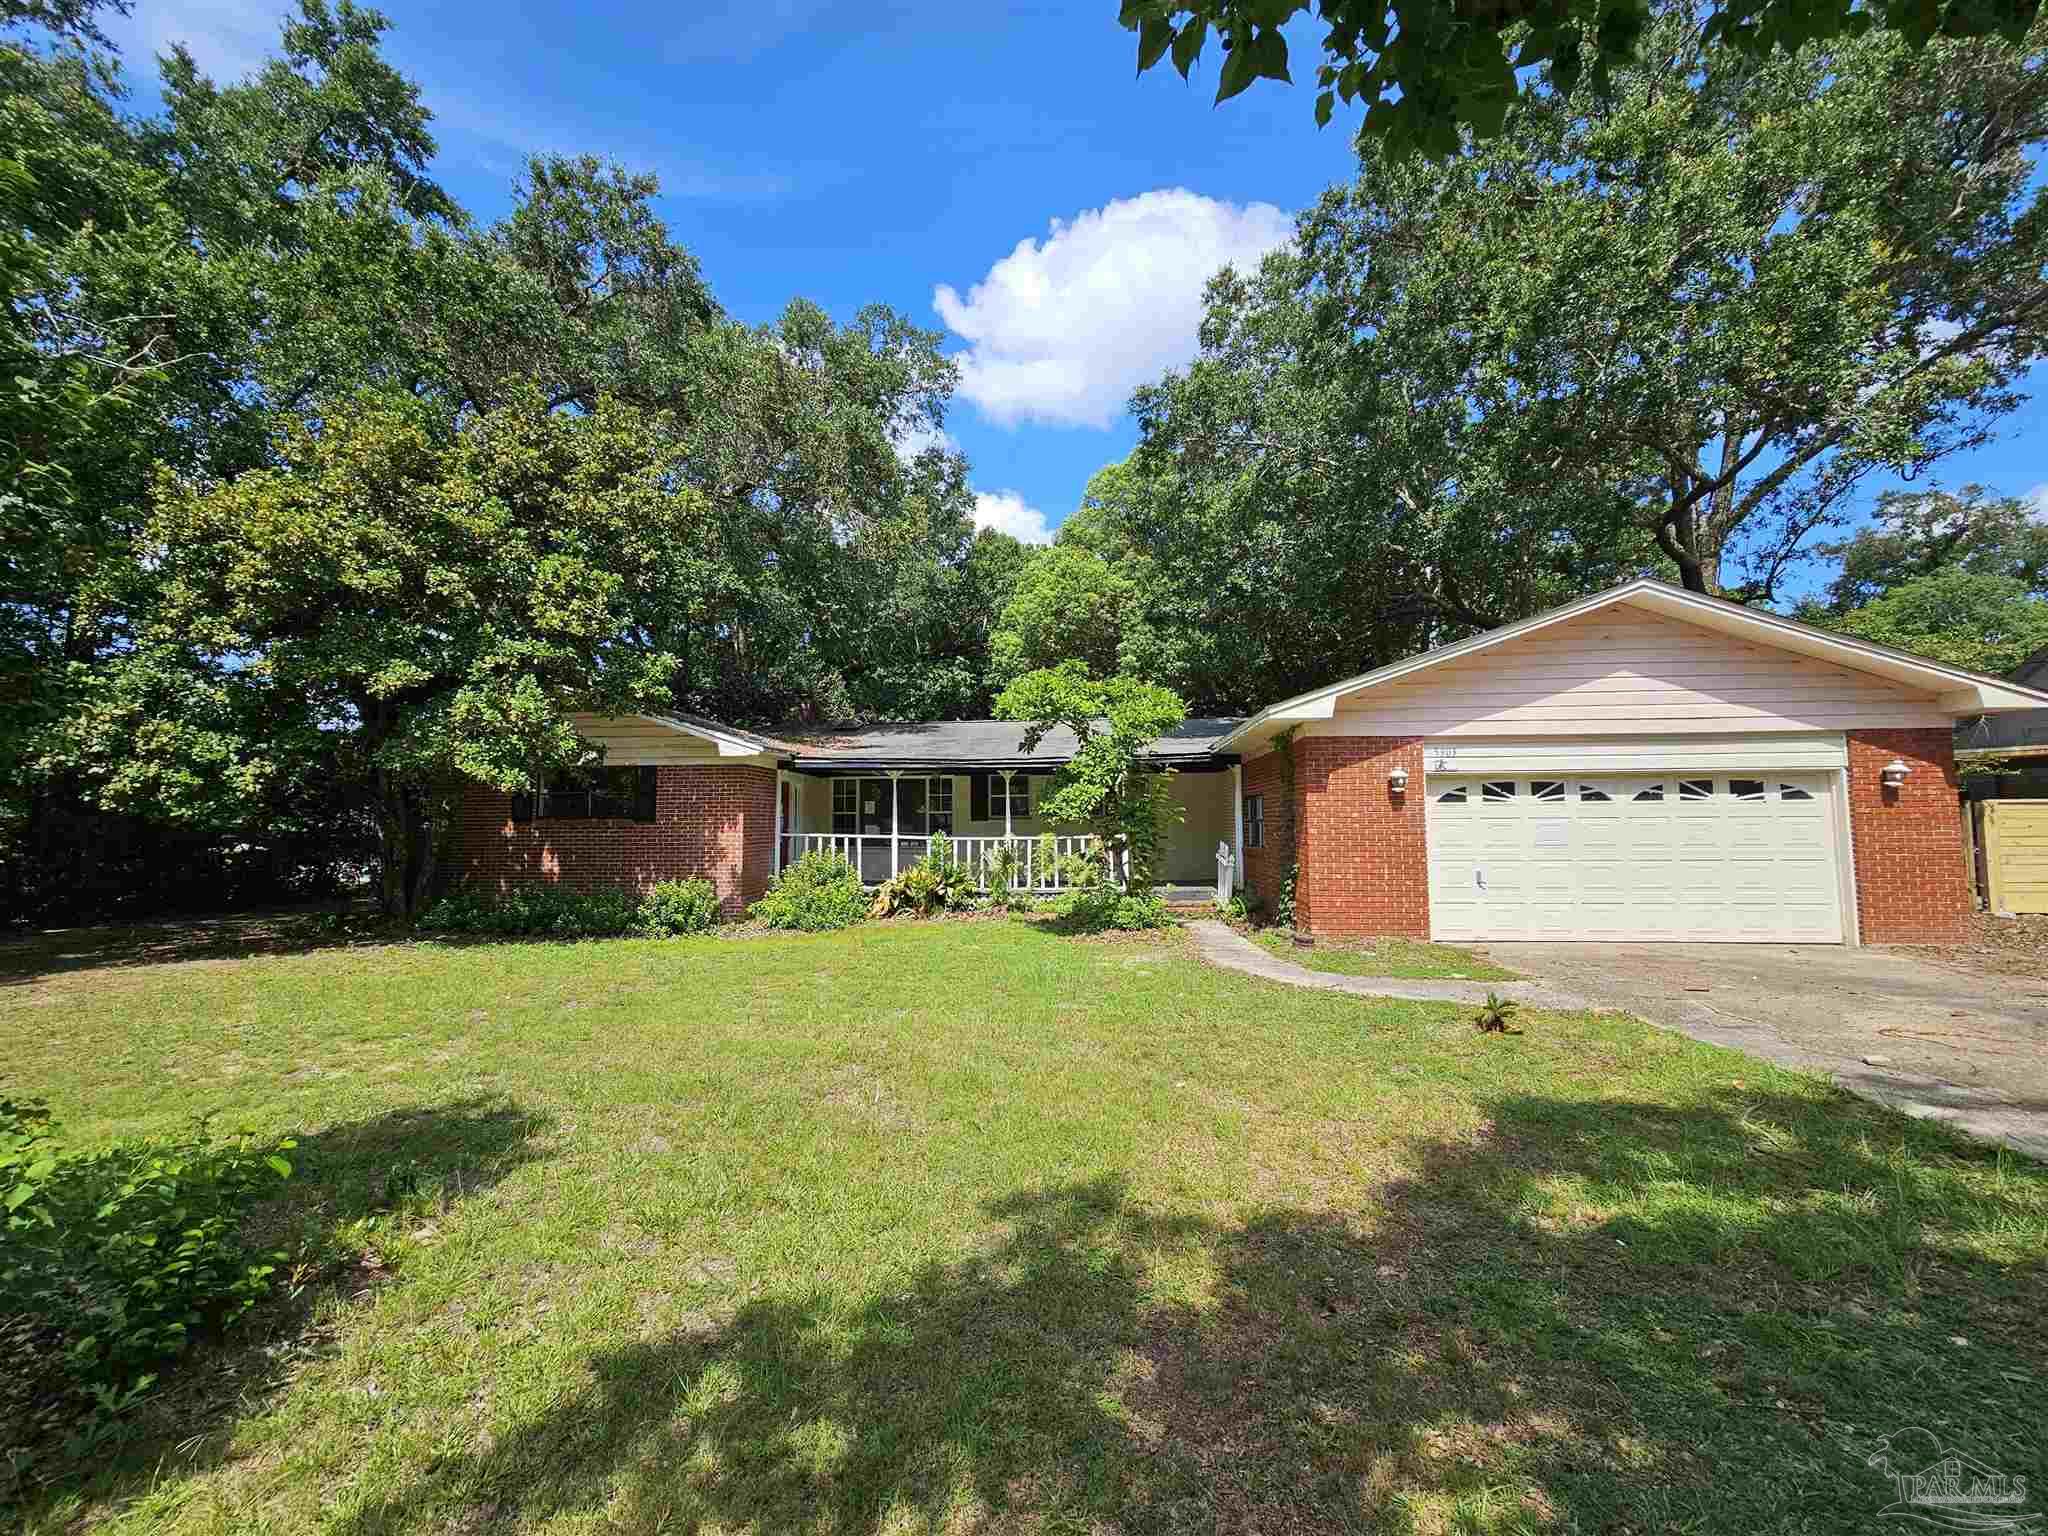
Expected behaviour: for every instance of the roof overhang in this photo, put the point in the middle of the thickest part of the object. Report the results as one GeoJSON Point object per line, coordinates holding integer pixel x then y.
{"type": "Point", "coordinates": [730, 742]}
{"type": "Point", "coordinates": [1955, 690]}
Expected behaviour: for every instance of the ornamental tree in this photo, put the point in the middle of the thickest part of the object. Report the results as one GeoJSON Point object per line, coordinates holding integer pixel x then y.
{"type": "Point", "coordinates": [1106, 785]}
{"type": "Point", "coordinates": [438, 603]}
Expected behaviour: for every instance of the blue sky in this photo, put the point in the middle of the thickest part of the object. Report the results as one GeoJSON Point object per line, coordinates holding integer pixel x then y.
{"type": "Point", "coordinates": [996, 171]}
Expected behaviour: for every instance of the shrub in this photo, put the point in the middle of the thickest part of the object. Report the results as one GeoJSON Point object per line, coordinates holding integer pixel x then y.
{"type": "Point", "coordinates": [820, 890]}
{"type": "Point", "coordinates": [934, 883]}
{"type": "Point", "coordinates": [111, 1263]}
{"type": "Point", "coordinates": [553, 911]}
{"type": "Point", "coordinates": [679, 906]}
{"type": "Point", "coordinates": [1094, 908]}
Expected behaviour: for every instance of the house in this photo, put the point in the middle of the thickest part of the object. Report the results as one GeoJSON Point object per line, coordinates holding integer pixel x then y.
{"type": "Point", "coordinates": [2015, 742]}
{"type": "Point", "coordinates": [1643, 764]}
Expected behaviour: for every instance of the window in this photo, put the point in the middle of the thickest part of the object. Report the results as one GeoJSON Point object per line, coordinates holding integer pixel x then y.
{"type": "Point", "coordinates": [1455, 795]}
{"type": "Point", "coordinates": [1255, 821]}
{"type": "Point", "coordinates": [1649, 792]}
{"type": "Point", "coordinates": [1547, 789]}
{"type": "Point", "coordinates": [586, 794]}
{"type": "Point", "coordinates": [1746, 789]}
{"type": "Point", "coordinates": [1593, 792]}
{"type": "Point", "coordinates": [1015, 791]}
{"type": "Point", "coordinates": [1792, 792]}
{"type": "Point", "coordinates": [1497, 789]}
{"type": "Point", "coordinates": [845, 806]}
{"type": "Point", "coordinates": [1695, 789]}
{"type": "Point", "coordinates": [938, 805]}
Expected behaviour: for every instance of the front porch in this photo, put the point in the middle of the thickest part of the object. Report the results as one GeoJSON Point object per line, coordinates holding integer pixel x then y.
{"type": "Point", "coordinates": [882, 822]}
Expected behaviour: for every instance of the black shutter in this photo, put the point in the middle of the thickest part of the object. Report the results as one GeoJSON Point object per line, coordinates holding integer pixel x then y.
{"type": "Point", "coordinates": [977, 797]}
{"type": "Point", "coordinates": [643, 801]}
{"type": "Point", "coordinates": [522, 807]}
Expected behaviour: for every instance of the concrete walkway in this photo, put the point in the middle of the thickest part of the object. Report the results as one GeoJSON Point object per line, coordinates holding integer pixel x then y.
{"type": "Point", "coordinates": [1800, 1016]}
{"type": "Point", "coordinates": [1220, 945]}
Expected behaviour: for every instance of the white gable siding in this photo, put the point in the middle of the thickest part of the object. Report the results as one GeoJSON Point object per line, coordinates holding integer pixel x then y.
{"type": "Point", "coordinates": [632, 742]}
{"type": "Point", "coordinates": [1623, 671]}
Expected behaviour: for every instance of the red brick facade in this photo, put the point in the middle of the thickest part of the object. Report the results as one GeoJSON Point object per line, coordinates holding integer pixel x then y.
{"type": "Point", "coordinates": [1266, 866]}
{"type": "Point", "coordinates": [714, 822]}
{"type": "Point", "coordinates": [1364, 859]}
{"type": "Point", "coordinates": [1909, 840]}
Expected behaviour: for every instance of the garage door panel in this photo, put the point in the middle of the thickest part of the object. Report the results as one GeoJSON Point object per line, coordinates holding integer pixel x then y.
{"type": "Point", "coordinates": [1705, 855]}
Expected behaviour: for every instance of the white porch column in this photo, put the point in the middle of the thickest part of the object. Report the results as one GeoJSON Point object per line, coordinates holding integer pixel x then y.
{"type": "Point", "coordinates": [781, 792]}
{"type": "Point", "coordinates": [895, 819]}
{"type": "Point", "coordinates": [1237, 804]}
{"type": "Point", "coordinates": [1009, 790]}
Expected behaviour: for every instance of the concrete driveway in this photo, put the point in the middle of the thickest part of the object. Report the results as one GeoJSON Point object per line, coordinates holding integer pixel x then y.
{"type": "Point", "coordinates": [1938, 1043]}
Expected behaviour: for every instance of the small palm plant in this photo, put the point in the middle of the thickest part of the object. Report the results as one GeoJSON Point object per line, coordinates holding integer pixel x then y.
{"type": "Point", "coordinates": [1494, 1014]}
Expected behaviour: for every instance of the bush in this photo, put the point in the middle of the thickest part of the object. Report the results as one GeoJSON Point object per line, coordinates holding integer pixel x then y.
{"type": "Point", "coordinates": [551, 911]}
{"type": "Point", "coordinates": [112, 1262]}
{"type": "Point", "coordinates": [1095, 908]}
{"type": "Point", "coordinates": [934, 883]}
{"type": "Point", "coordinates": [819, 891]}
{"type": "Point", "coordinates": [679, 906]}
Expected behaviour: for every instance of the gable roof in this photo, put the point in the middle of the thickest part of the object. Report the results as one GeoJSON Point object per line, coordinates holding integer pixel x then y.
{"type": "Point", "coordinates": [1956, 690]}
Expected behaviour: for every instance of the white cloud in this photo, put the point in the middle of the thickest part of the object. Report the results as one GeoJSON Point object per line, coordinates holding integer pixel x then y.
{"type": "Point", "coordinates": [2038, 499]}
{"type": "Point", "coordinates": [1062, 330]}
{"type": "Point", "coordinates": [915, 438]}
{"type": "Point", "coordinates": [228, 39]}
{"type": "Point", "coordinates": [1007, 512]}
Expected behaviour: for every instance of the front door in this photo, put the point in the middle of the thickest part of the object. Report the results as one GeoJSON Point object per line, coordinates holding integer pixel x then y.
{"type": "Point", "coordinates": [877, 818]}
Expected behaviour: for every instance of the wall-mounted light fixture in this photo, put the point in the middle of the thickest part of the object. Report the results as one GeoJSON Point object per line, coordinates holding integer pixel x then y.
{"type": "Point", "coordinates": [1893, 773]}
{"type": "Point", "coordinates": [1397, 781]}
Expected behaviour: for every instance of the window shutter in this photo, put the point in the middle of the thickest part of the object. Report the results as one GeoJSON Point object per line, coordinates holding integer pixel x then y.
{"type": "Point", "coordinates": [977, 795]}
{"type": "Point", "coordinates": [643, 801]}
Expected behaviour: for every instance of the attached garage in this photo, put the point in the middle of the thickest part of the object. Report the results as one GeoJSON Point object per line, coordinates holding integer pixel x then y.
{"type": "Point", "coordinates": [1646, 764]}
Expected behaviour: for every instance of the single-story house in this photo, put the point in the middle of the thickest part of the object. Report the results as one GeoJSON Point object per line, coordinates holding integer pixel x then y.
{"type": "Point", "coordinates": [1644, 764]}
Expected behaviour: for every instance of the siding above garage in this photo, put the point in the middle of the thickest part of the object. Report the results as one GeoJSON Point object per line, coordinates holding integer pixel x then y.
{"type": "Point", "coordinates": [1624, 671]}
{"type": "Point", "coordinates": [1637, 754]}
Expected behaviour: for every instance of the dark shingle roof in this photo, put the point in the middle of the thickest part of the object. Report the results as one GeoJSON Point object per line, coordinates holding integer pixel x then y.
{"type": "Point", "coordinates": [972, 744]}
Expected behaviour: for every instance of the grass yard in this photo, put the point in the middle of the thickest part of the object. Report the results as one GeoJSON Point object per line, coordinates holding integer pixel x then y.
{"type": "Point", "coordinates": [1408, 959]}
{"type": "Point", "coordinates": [955, 1226]}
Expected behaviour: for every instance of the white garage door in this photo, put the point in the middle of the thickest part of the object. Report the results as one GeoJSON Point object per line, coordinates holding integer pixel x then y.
{"type": "Point", "coordinates": [1634, 856]}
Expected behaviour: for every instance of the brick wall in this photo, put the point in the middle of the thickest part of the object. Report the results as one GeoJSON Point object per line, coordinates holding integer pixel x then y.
{"type": "Point", "coordinates": [1908, 841]}
{"type": "Point", "coordinates": [713, 822]}
{"type": "Point", "coordinates": [1265, 867]}
{"type": "Point", "coordinates": [1364, 862]}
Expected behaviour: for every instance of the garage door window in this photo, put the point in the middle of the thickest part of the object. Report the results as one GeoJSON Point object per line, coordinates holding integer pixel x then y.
{"type": "Point", "coordinates": [1792, 792]}
{"type": "Point", "coordinates": [1593, 792]}
{"type": "Point", "coordinates": [1497, 789]}
{"type": "Point", "coordinates": [1649, 792]}
{"type": "Point", "coordinates": [1547, 789]}
{"type": "Point", "coordinates": [1746, 789]}
{"type": "Point", "coordinates": [1452, 796]}
{"type": "Point", "coordinates": [1695, 789]}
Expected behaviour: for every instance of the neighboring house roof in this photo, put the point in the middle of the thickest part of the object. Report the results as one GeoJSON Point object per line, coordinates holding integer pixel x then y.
{"type": "Point", "coordinates": [974, 744]}
{"type": "Point", "coordinates": [1955, 689]}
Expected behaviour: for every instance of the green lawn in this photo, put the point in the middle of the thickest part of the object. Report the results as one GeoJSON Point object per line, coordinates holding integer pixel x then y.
{"type": "Point", "coordinates": [1408, 959]}
{"type": "Point", "coordinates": [938, 1227]}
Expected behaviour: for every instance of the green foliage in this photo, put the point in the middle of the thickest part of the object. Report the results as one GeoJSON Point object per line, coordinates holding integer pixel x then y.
{"type": "Point", "coordinates": [821, 890]}
{"type": "Point", "coordinates": [1987, 623]}
{"type": "Point", "coordinates": [1070, 604]}
{"type": "Point", "coordinates": [1521, 408]}
{"type": "Point", "coordinates": [935, 883]}
{"type": "Point", "coordinates": [1426, 74]}
{"type": "Point", "coordinates": [1495, 1014]}
{"type": "Point", "coordinates": [1283, 903]}
{"type": "Point", "coordinates": [112, 1262]}
{"type": "Point", "coordinates": [535, 910]}
{"type": "Point", "coordinates": [1925, 533]}
{"type": "Point", "coordinates": [675, 907]}
{"type": "Point", "coordinates": [1103, 906]}
{"type": "Point", "coordinates": [1106, 785]}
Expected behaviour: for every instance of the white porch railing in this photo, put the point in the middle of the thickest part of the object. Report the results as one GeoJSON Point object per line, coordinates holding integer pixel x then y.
{"type": "Point", "coordinates": [880, 857]}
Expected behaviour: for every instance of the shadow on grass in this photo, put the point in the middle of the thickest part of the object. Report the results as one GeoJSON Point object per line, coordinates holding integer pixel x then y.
{"type": "Point", "coordinates": [422, 1159]}
{"type": "Point", "coordinates": [235, 936]}
{"type": "Point", "coordinates": [1592, 1315]}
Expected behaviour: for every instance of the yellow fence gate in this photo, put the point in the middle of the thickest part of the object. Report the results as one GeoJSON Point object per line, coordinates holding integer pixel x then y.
{"type": "Point", "coordinates": [2013, 838]}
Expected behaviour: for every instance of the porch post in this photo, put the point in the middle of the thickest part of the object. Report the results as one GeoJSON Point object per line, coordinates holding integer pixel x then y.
{"type": "Point", "coordinates": [895, 817]}
{"type": "Point", "coordinates": [1009, 790]}
{"type": "Point", "coordinates": [781, 793]}
{"type": "Point", "coordinates": [1237, 801]}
